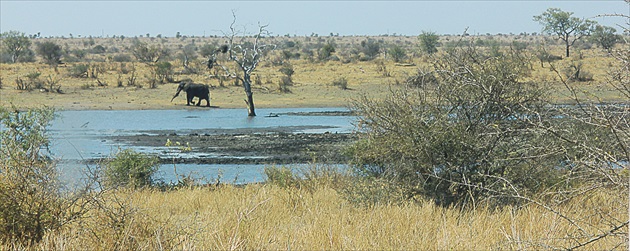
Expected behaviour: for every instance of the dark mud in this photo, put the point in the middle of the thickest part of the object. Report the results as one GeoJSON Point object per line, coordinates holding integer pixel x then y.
{"type": "Point", "coordinates": [277, 145]}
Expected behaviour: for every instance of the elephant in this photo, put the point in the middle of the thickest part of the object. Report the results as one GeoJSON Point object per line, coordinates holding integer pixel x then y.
{"type": "Point", "coordinates": [194, 90]}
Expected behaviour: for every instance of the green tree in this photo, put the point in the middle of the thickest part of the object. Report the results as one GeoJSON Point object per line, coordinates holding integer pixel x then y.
{"type": "Point", "coordinates": [605, 37]}
{"type": "Point", "coordinates": [429, 41]}
{"type": "Point", "coordinates": [51, 53]}
{"type": "Point", "coordinates": [567, 28]}
{"type": "Point", "coordinates": [16, 44]}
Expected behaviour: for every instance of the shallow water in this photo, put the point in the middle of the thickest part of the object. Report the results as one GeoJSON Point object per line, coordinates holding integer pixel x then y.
{"type": "Point", "coordinates": [81, 135]}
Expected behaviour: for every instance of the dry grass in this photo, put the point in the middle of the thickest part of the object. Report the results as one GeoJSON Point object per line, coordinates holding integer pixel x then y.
{"type": "Point", "coordinates": [270, 217]}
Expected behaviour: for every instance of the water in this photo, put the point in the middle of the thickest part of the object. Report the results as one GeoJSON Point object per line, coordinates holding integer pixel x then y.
{"type": "Point", "coordinates": [80, 135]}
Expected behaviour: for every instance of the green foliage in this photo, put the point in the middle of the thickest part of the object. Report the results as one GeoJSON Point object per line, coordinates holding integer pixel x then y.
{"type": "Point", "coordinates": [429, 41]}
{"type": "Point", "coordinates": [50, 52]}
{"type": "Point", "coordinates": [371, 48]}
{"type": "Point", "coordinates": [281, 176]}
{"type": "Point", "coordinates": [561, 23]}
{"type": "Point", "coordinates": [131, 169]}
{"type": "Point", "coordinates": [397, 53]}
{"type": "Point", "coordinates": [99, 49]}
{"type": "Point", "coordinates": [164, 71]}
{"type": "Point", "coordinates": [462, 137]}
{"type": "Point", "coordinates": [326, 51]}
{"type": "Point", "coordinates": [148, 54]}
{"type": "Point", "coordinates": [342, 83]}
{"type": "Point", "coordinates": [287, 80]}
{"type": "Point", "coordinates": [29, 189]}
{"type": "Point", "coordinates": [207, 50]}
{"type": "Point", "coordinates": [605, 37]}
{"type": "Point", "coordinates": [16, 44]}
{"type": "Point", "coordinates": [79, 70]}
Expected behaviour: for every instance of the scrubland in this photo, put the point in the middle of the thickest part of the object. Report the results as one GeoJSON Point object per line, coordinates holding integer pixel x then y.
{"type": "Point", "coordinates": [325, 210]}
{"type": "Point", "coordinates": [107, 84]}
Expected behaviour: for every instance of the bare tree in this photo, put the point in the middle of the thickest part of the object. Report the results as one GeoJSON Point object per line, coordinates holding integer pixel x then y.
{"type": "Point", "coordinates": [247, 55]}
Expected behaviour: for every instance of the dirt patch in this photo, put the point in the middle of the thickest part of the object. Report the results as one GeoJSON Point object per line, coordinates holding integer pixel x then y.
{"type": "Point", "coordinates": [278, 145]}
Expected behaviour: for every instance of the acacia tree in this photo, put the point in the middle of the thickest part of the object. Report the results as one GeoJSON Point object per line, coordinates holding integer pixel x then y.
{"type": "Point", "coordinates": [16, 44]}
{"type": "Point", "coordinates": [247, 55]}
{"type": "Point", "coordinates": [605, 37]}
{"type": "Point", "coordinates": [560, 23]}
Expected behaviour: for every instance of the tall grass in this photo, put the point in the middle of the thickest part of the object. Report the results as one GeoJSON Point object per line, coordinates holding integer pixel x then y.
{"type": "Point", "coordinates": [270, 216]}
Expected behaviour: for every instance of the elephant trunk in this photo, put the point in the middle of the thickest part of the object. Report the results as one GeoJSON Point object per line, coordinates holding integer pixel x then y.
{"type": "Point", "coordinates": [176, 94]}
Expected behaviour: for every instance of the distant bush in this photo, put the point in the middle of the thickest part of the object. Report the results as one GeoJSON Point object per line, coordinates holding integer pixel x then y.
{"type": "Point", "coordinates": [397, 53]}
{"type": "Point", "coordinates": [326, 51]}
{"type": "Point", "coordinates": [99, 49]}
{"type": "Point", "coordinates": [342, 83]}
{"type": "Point", "coordinates": [79, 70]}
{"type": "Point", "coordinates": [122, 58]}
{"type": "Point", "coordinates": [370, 48]}
{"type": "Point", "coordinates": [131, 169]}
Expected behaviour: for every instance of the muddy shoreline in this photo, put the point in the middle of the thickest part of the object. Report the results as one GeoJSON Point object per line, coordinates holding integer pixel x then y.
{"type": "Point", "coordinates": [275, 145]}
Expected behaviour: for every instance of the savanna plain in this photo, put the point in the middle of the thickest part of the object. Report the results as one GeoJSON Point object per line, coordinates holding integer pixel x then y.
{"type": "Point", "coordinates": [315, 207]}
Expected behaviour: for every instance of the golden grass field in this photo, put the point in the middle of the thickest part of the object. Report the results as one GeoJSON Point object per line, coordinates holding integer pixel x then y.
{"type": "Point", "coordinates": [269, 217]}
{"type": "Point", "coordinates": [315, 217]}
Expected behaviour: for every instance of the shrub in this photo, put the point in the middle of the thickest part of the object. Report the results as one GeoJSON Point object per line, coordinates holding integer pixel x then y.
{"type": "Point", "coordinates": [121, 58]}
{"type": "Point", "coordinates": [164, 72]}
{"type": "Point", "coordinates": [397, 53]}
{"type": "Point", "coordinates": [131, 169]}
{"type": "Point", "coordinates": [79, 70]}
{"type": "Point", "coordinates": [50, 52]}
{"type": "Point", "coordinates": [282, 176]}
{"type": "Point", "coordinates": [326, 51]}
{"type": "Point", "coordinates": [370, 48]}
{"type": "Point", "coordinates": [99, 49]}
{"type": "Point", "coordinates": [31, 196]}
{"type": "Point", "coordinates": [342, 83]}
{"type": "Point", "coordinates": [466, 139]}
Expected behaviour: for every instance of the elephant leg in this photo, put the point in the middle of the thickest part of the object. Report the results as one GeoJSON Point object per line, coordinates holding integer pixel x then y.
{"type": "Point", "coordinates": [189, 98]}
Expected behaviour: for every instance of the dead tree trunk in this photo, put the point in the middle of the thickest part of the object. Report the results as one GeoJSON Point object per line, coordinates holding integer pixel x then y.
{"type": "Point", "coordinates": [247, 85]}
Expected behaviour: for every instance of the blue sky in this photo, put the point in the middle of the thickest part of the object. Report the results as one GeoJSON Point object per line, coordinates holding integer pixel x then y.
{"type": "Point", "coordinates": [134, 18]}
